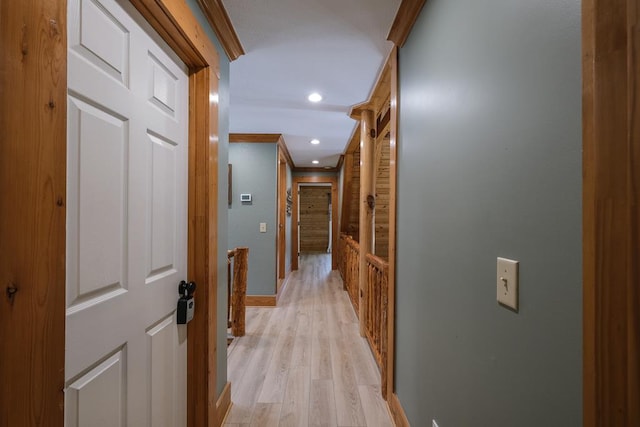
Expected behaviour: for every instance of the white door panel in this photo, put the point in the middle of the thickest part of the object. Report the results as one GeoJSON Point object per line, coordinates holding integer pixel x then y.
{"type": "Point", "coordinates": [98, 398]}
{"type": "Point", "coordinates": [127, 221]}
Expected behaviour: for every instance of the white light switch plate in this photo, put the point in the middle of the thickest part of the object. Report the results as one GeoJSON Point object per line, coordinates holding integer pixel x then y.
{"type": "Point", "coordinates": [263, 227]}
{"type": "Point", "coordinates": [507, 283]}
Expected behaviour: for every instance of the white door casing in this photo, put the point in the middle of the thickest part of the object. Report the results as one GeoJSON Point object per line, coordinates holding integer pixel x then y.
{"type": "Point", "coordinates": [125, 360]}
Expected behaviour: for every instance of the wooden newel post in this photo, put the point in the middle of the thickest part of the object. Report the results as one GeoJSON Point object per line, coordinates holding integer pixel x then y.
{"type": "Point", "coordinates": [367, 203]}
{"type": "Point", "coordinates": [240, 267]}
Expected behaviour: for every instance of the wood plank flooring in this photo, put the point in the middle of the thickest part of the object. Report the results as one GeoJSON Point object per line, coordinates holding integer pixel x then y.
{"type": "Point", "coordinates": [303, 363]}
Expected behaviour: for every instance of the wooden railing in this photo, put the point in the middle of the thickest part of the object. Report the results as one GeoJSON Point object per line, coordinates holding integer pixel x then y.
{"type": "Point", "coordinates": [376, 311]}
{"type": "Point", "coordinates": [375, 298]}
{"type": "Point", "coordinates": [236, 301]}
{"type": "Point", "coordinates": [349, 265]}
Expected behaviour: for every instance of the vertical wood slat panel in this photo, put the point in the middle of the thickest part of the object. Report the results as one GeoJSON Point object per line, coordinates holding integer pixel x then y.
{"type": "Point", "coordinates": [33, 87]}
{"type": "Point", "coordinates": [633, 279]}
{"type": "Point", "coordinates": [611, 185]}
{"type": "Point", "coordinates": [382, 194]}
{"type": "Point", "coordinates": [297, 180]}
{"type": "Point", "coordinates": [353, 225]}
{"type": "Point", "coordinates": [314, 218]}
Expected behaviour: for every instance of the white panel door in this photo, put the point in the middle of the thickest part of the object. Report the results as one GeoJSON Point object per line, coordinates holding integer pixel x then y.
{"type": "Point", "coordinates": [126, 222]}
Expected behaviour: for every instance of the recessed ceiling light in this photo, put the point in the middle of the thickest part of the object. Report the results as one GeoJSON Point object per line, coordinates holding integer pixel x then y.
{"type": "Point", "coordinates": [315, 97]}
{"type": "Point", "coordinates": [327, 167]}
{"type": "Point", "coordinates": [315, 141]}
{"type": "Point", "coordinates": [315, 162]}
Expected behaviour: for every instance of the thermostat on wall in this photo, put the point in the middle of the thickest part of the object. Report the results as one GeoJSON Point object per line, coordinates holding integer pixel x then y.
{"type": "Point", "coordinates": [245, 197]}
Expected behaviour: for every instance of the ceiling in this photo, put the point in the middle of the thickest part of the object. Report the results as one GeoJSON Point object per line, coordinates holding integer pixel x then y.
{"type": "Point", "coordinates": [296, 47]}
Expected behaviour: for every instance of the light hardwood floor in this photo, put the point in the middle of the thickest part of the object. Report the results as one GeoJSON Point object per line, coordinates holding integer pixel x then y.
{"type": "Point", "coordinates": [303, 363]}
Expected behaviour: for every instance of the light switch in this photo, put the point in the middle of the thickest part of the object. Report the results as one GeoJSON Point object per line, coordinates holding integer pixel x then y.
{"type": "Point", "coordinates": [507, 283]}
{"type": "Point", "coordinates": [263, 227]}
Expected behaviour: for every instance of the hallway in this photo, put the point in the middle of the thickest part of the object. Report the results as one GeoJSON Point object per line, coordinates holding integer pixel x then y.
{"type": "Point", "coordinates": [304, 362]}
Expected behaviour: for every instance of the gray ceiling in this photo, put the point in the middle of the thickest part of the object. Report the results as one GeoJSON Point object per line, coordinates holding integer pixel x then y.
{"type": "Point", "coordinates": [295, 47]}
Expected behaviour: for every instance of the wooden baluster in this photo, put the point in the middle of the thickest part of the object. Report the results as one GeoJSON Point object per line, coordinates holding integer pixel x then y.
{"type": "Point", "coordinates": [230, 255]}
{"type": "Point", "coordinates": [384, 350]}
{"type": "Point", "coordinates": [240, 267]}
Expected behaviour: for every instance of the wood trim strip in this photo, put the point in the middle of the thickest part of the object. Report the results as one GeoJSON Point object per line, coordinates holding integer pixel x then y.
{"type": "Point", "coordinates": [33, 108]}
{"type": "Point", "coordinates": [354, 142]}
{"type": "Point", "coordinates": [611, 212]}
{"type": "Point", "coordinates": [255, 137]}
{"type": "Point", "coordinates": [176, 24]}
{"type": "Point", "coordinates": [223, 405]}
{"type": "Point", "coordinates": [219, 20]}
{"type": "Point", "coordinates": [315, 170]}
{"type": "Point", "coordinates": [202, 252]}
{"type": "Point", "coordinates": [393, 190]}
{"type": "Point", "coordinates": [297, 180]}
{"type": "Point", "coordinates": [261, 301]}
{"type": "Point", "coordinates": [285, 152]}
{"type": "Point", "coordinates": [406, 16]}
{"type": "Point", "coordinates": [281, 240]}
{"type": "Point", "coordinates": [340, 163]}
{"type": "Point", "coordinates": [397, 412]}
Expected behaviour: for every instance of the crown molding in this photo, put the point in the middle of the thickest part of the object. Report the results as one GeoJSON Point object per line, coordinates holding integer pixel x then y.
{"type": "Point", "coordinates": [255, 137]}
{"type": "Point", "coordinates": [262, 138]}
{"type": "Point", "coordinates": [219, 20]}
{"type": "Point", "coordinates": [315, 170]}
{"type": "Point", "coordinates": [405, 18]}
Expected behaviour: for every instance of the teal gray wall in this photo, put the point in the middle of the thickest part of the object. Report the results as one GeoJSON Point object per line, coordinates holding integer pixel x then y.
{"type": "Point", "coordinates": [223, 148]}
{"type": "Point", "coordinates": [255, 172]}
{"type": "Point", "coordinates": [489, 163]}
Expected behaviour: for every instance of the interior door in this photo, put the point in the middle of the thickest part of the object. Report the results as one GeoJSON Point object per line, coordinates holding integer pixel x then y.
{"type": "Point", "coordinates": [125, 358]}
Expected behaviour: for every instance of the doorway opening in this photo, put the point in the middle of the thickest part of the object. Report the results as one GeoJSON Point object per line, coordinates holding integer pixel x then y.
{"type": "Point", "coordinates": [326, 184]}
{"type": "Point", "coordinates": [315, 218]}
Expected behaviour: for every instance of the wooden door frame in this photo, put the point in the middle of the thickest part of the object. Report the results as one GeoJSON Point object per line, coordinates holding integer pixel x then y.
{"type": "Point", "coordinates": [611, 212]}
{"type": "Point", "coordinates": [33, 198]}
{"type": "Point", "coordinates": [281, 249]}
{"type": "Point", "coordinates": [315, 179]}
